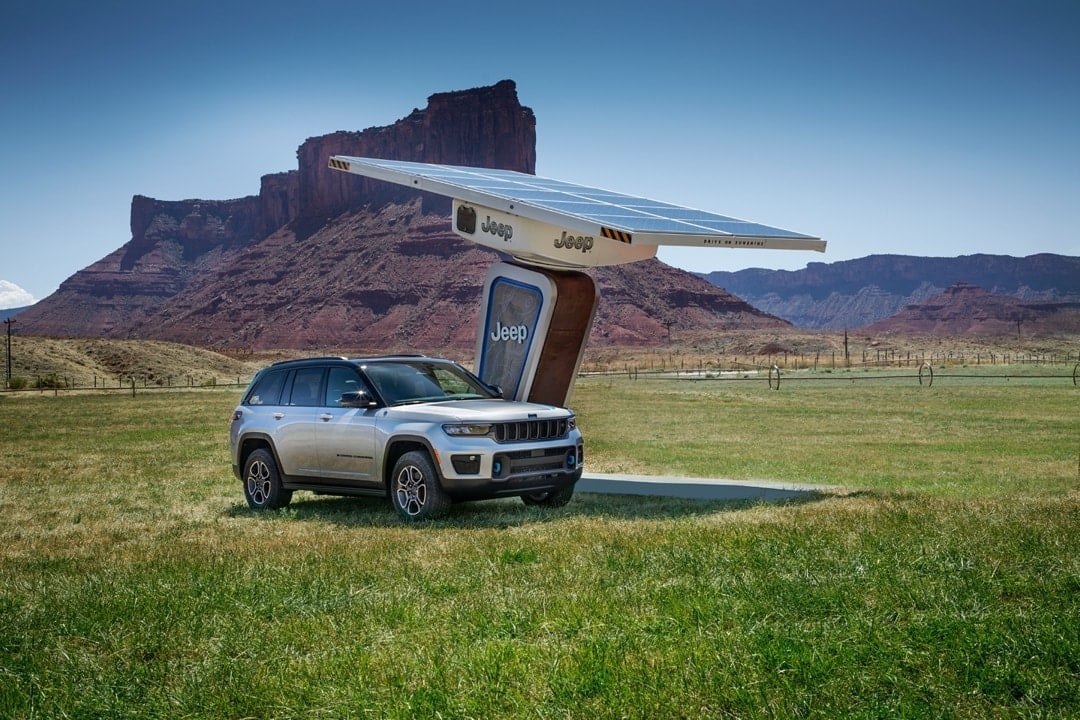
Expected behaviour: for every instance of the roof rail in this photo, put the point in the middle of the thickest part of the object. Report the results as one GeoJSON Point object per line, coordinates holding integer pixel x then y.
{"type": "Point", "coordinates": [302, 359]}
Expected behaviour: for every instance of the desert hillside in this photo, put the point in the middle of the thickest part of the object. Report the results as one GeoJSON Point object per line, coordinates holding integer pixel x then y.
{"type": "Point", "coordinates": [99, 362]}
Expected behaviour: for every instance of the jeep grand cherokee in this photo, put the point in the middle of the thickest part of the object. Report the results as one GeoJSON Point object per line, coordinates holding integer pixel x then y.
{"type": "Point", "coordinates": [422, 431]}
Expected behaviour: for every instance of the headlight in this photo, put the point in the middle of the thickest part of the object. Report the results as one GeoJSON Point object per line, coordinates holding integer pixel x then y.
{"type": "Point", "coordinates": [468, 430]}
{"type": "Point", "coordinates": [571, 422]}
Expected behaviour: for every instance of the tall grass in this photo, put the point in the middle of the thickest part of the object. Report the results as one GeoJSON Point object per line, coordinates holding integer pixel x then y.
{"type": "Point", "coordinates": [135, 583]}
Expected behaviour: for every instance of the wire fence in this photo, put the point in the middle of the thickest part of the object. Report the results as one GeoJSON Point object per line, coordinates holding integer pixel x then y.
{"type": "Point", "coordinates": [838, 361]}
{"type": "Point", "coordinates": [885, 365]}
{"type": "Point", "coordinates": [130, 385]}
{"type": "Point", "coordinates": [924, 374]}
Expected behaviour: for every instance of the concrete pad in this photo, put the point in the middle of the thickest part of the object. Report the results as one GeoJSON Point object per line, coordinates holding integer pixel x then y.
{"type": "Point", "coordinates": [694, 488]}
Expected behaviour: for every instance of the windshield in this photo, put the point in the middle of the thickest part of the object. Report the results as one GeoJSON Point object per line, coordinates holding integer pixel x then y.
{"type": "Point", "coordinates": [416, 381]}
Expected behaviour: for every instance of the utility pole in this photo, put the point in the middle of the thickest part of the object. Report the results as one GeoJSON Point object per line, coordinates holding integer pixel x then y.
{"type": "Point", "coordinates": [9, 322]}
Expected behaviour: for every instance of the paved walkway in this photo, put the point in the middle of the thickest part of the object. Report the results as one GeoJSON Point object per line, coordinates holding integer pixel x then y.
{"type": "Point", "coordinates": [695, 488]}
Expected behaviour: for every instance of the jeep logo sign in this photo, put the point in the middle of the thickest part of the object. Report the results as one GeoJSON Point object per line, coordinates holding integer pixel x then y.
{"type": "Point", "coordinates": [583, 243]}
{"type": "Point", "coordinates": [503, 230]}
{"type": "Point", "coordinates": [509, 333]}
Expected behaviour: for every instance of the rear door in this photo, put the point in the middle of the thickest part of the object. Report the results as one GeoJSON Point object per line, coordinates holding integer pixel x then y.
{"type": "Point", "coordinates": [296, 418]}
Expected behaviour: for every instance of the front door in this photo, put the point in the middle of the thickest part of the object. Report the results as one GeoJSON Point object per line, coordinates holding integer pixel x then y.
{"type": "Point", "coordinates": [346, 436]}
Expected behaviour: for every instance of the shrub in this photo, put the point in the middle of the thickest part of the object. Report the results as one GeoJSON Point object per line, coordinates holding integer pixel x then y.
{"type": "Point", "coordinates": [50, 381]}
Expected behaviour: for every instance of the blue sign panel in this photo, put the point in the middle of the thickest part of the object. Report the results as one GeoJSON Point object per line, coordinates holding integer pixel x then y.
{"type": "Point", "coordinates": [510, 328]}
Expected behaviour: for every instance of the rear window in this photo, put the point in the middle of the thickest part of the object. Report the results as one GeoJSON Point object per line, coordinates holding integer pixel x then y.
{"type": "Point", "coordinates": [267, 389]}
{"type": "Point", "coordinates": [307, 387]}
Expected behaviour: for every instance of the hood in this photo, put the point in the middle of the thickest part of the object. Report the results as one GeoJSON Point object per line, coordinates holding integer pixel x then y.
{"type": "Point", "coordinates": [476, 411]}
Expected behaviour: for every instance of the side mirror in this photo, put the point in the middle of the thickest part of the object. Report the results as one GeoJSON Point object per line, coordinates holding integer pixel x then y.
{"type": "Point", "coordinates": [357, 399]}
{"type": "Point", "coordinates": [497, 389]}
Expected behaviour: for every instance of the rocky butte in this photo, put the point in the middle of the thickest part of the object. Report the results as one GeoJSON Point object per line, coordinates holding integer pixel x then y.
{"type": "Point", "coordinates": [966, 310]}
{"type": "Point", "coordinates": [323, 259]}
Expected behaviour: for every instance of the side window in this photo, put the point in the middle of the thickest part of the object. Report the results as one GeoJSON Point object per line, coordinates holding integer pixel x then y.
{"type": "Point", "coordinates": [267, 391]}
{"type": "Point", "coordinates": [307, 387]}
{"type": "Point", "coordinates": [340, 381]}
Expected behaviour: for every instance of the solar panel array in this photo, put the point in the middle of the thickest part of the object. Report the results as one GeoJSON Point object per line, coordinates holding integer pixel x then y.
{"type": "Point", "coordinates": [568, 201]}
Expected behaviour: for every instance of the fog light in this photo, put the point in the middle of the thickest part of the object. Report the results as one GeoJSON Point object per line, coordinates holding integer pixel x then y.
{"type": "Point", "coordinates": [466, 464]}
{"type": "Point", "coordinates": [496, 468]}
{"type": "Point", "coordinates": [571, 461]}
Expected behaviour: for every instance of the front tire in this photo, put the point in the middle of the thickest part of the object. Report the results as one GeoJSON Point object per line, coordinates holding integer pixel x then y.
{"type": "Point", "coordinates": [415, 492]}
{"type": "Point", "coordinates": [262, 482]}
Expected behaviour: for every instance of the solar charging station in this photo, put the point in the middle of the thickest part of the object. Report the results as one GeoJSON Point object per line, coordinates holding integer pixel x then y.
{"type": "Point", "coordinates": [538, 308]}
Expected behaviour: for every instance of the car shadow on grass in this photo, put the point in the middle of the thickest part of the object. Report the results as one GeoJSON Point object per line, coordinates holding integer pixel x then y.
{"type": "Point", "coordinates": [512, 512]}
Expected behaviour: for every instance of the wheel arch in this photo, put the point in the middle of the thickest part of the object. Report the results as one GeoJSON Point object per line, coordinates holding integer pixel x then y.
{"type": "Point", "coordinates": [250, 443]}
{"type": "Point", "coordinates": [398, 446]}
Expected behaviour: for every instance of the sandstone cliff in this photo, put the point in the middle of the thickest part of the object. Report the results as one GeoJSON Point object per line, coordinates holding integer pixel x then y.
{"type": "Point", "coordinates": [396, 278]}
{"type": "Point", "coordinates": [484, 127]}
{"type": "Point", "coordinates": [172, 243]}
{"type": "Point", "coordinates": [323, 259]}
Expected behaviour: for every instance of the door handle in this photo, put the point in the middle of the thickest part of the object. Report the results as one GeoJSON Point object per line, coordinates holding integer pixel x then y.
{"type": "Point", "coordinates": [278, 416]}
{"type": "Point", "coordinates": [326, 417]}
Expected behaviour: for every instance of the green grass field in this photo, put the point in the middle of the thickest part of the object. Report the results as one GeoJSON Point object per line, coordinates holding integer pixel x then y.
{"type": "Point", "coordinates": [941, 580]}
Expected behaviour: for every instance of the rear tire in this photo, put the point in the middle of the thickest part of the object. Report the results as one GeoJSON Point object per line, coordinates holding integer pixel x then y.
{"type": "Point", "coordinates": [262, 482]}
{"type": "Point", "coordinates": [415, 491]}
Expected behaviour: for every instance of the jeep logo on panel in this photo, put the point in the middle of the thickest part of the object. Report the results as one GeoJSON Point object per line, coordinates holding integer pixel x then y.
{"type": "Point", "coordinates": [583, 243]}
{"type": "Point", "coordinates": [503, 230]}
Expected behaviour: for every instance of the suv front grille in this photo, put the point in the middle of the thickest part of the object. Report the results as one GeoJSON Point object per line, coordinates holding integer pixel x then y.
{"type": "Point", "coordinates": [530, 430]}
{"type": "Point", "coordinates": [521, 463]}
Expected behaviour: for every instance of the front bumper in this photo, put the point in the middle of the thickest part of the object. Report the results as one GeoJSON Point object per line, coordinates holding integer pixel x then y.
{"type": "Point", "coordinates": [482, 488]}
{"type": "Point", "coordinates": [493, 470]}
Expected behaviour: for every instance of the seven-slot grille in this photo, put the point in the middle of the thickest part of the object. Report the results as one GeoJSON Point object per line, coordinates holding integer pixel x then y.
{"type": "Point", "coordinates": [527, 430]}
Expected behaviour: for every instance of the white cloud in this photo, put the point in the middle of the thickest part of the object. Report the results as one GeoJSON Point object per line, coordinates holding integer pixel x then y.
{"type": "Point", "coordinates": [13, 296]}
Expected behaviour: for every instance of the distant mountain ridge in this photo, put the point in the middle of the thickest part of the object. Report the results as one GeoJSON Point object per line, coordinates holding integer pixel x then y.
{"type": "Point", "coordinates": [6, 313]}
{"type": "Point", "coordinates": [855, 293]}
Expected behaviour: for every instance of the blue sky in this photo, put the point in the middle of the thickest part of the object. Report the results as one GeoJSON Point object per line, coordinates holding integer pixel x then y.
{"type": "Point", "coordinates": [936, 128]}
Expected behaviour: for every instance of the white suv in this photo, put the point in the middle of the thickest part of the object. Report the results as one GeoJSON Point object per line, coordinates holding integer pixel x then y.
{"type": "Point", "coordinates": [423, 431]}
